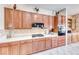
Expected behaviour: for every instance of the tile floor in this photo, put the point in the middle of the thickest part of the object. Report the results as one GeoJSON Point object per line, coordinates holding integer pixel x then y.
{"type": "Point", "coordinates": [72, 49]}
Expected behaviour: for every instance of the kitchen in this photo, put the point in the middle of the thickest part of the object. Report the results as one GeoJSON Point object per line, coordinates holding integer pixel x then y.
{"type": "Point", "coordinates": [31, 29]}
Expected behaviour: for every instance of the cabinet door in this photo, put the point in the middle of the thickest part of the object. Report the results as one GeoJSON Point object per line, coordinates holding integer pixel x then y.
{"type": "Point", "coordinates": [69, 38]}
{"type": "Point", "coordinates": [55, 23]}
{"type": "Point", "coordinates": [35, 45]}
{"type": "Point", "coordinates": [37, 18]}
{"type": "Point", "coordinates": [46, 21]}
{"type": "Point", "coordinates": [41, 44]}
{"type": "Point", "coordinates": [54, 42]}
{"type": "Point", "coordinates": [61, 41]}
{"type": "Point", "coordinates": [51, 23]}
{"type": "Point", "coordinates": [74, 38]}
{"type": "Point", "coordinates": [26, 47]}
{"type": "Point", "coordinates": [63, 20]}
{"type": "Point", "coordinates": [17, 19]}
{"type": "Point", "coordinates": [7, 17]}
{"type": "Point", "coordinates": [14, 46]}
{"type": "Point", "coordinates": [48, 43]}
{"type": "Point", "coordinates": [40, 18]}
{"type": "Point", "coordinates": [5, 49]}
{"type": "Point", "coordinates": [27, 20]}
{"type": "Point", "coordinates": [0, 50]}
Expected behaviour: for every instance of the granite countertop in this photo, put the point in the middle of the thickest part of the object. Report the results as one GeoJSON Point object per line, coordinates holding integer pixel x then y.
{"type": "Point", "coordinates": [5, 40]}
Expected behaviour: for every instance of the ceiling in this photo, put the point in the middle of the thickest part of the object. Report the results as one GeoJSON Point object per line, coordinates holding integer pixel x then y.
{"type": "Point", "coordinates": [71, 8]}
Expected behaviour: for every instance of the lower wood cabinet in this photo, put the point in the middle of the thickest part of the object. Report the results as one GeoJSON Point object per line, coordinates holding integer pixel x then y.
{"type": "Point", "coordinates": [14, 48]}
{"type": "Point", "coordinates": [69, 39]}
{"type": "Point", "coordinates": [74, 38]}
{"type": "Point", "coordinates": [26, 47]}
{"type": "Point", "coordinates": [5, 49]}
{"type": "Point", "coordinates": [78, 37]}
{"type": "Point", "coordinates": [54, 42]}
{"type": "Point", "coordinates": [41, 44]}
{"type": "Point", "coordinates": [38, 45]}
{"type": "Point", "coordinates": [61, 40]}
{"type": "Point", "coordinates": [48, 43]}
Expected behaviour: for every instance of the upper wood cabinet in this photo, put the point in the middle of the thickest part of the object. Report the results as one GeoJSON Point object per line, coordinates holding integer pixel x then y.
{"type": "Point", "coordinates": [37, 18]}
{"type": "Point", "coordinates": [46, 21]}
{"type": "Point", "coordinates": [27, 20]}
{"type": "Point", "coordinates": [17, 19]}
{"type": "Point", "coordinates": [13, 18]}
{"type": "Point", "coordinates": [55, 23]}
{"type": "Point", "coordinates": [7, 17]}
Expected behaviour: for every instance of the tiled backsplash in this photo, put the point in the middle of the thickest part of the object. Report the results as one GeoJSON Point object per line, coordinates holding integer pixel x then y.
{"type": "Point", "coordinates": [23, 32]}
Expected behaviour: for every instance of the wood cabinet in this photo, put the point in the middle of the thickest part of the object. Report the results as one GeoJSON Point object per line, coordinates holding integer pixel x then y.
{"type": "Point", "coordinates": [54, 42]}
{"type": "Point", "coordinates": [69, 38]}
{"type": "Point", "coordinates": [7, 17]}
{"type": "Point", "coordinates": [17, 19]}
{"type": "Point", "coordinates": [63, 20]}
{"type": "Point", "coordinates": [61, 40]}
{"type": "Point", "coordinates": [35, 45]}
{"type": "Point", "coordinates": [38, 45]}
{"type": "Point", "coordinates": [74, 38]}
{"type": "Point", "coordinates": [48, 43]}
{"type": "Point", "coordinates": [78, 37]}
{"type": "Point", "coordinates": [26, 47]}
{"type": "Point", "coordinates": [55, 23]}
{"type": "Point", "coordinates": [37, 18]}
{"type": "Point", "coordinates": [46, 21]}
{"type": "Point", "coordinates": [14, 48]}
{"type": "Point", "coordinates": [27, 20]}
{"type": "Point", "coordinates": [5, 49]}
{"type": "Point", "coordinates": [41, 44]}
{"type": "Point", "coordinates": [51, 23]}
{"type": "Point", "coordinates": [13, 18]}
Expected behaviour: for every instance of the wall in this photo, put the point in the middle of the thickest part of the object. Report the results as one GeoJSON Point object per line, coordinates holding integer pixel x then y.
{"type": "Point", "coordinates": [20, 7]}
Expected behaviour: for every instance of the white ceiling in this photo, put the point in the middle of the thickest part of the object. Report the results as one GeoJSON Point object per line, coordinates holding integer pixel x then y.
{"type": "Point", "coordinates": [71, 8]}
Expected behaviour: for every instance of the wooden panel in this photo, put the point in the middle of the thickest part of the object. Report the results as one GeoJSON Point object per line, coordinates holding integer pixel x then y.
{"type": "Point", "coordinates": [13, 18]}
{"type": "Point", "coordinates": [69, 38]}
{"type": "Point", "coordinates": [35, 45]}
{"type": "Point", "coordinates": [7, 17]}
{"type": "Point", "coordinates": [54, 42]}
{"type": "Point", "coordinates": [46, 21]}
{"type": "Point", "coordinates": [51, 23]}
{"type": "Point", "coordinates": [14, 47]}
{"type": "Point", "coordinates": [41, 44]}
{"type": "Point", "coordinates": [17, 19]}
{"type": "Point", "coordinates": [26, 47]}
{"type": "Point", "coordinates": [62, 20]}
{"type": "Point", "coordinates": [27, 20]}
{"type": "Point", "coordinates": [74, 38]}
{"type": "Point", "coordinates": [5, 49]}
{"type": "Point", "coordinates": [55, 23]}
{"type": "Point", "coordinates": [48, 43]}
{"type": "Point", "coordinates": [61, 40]}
